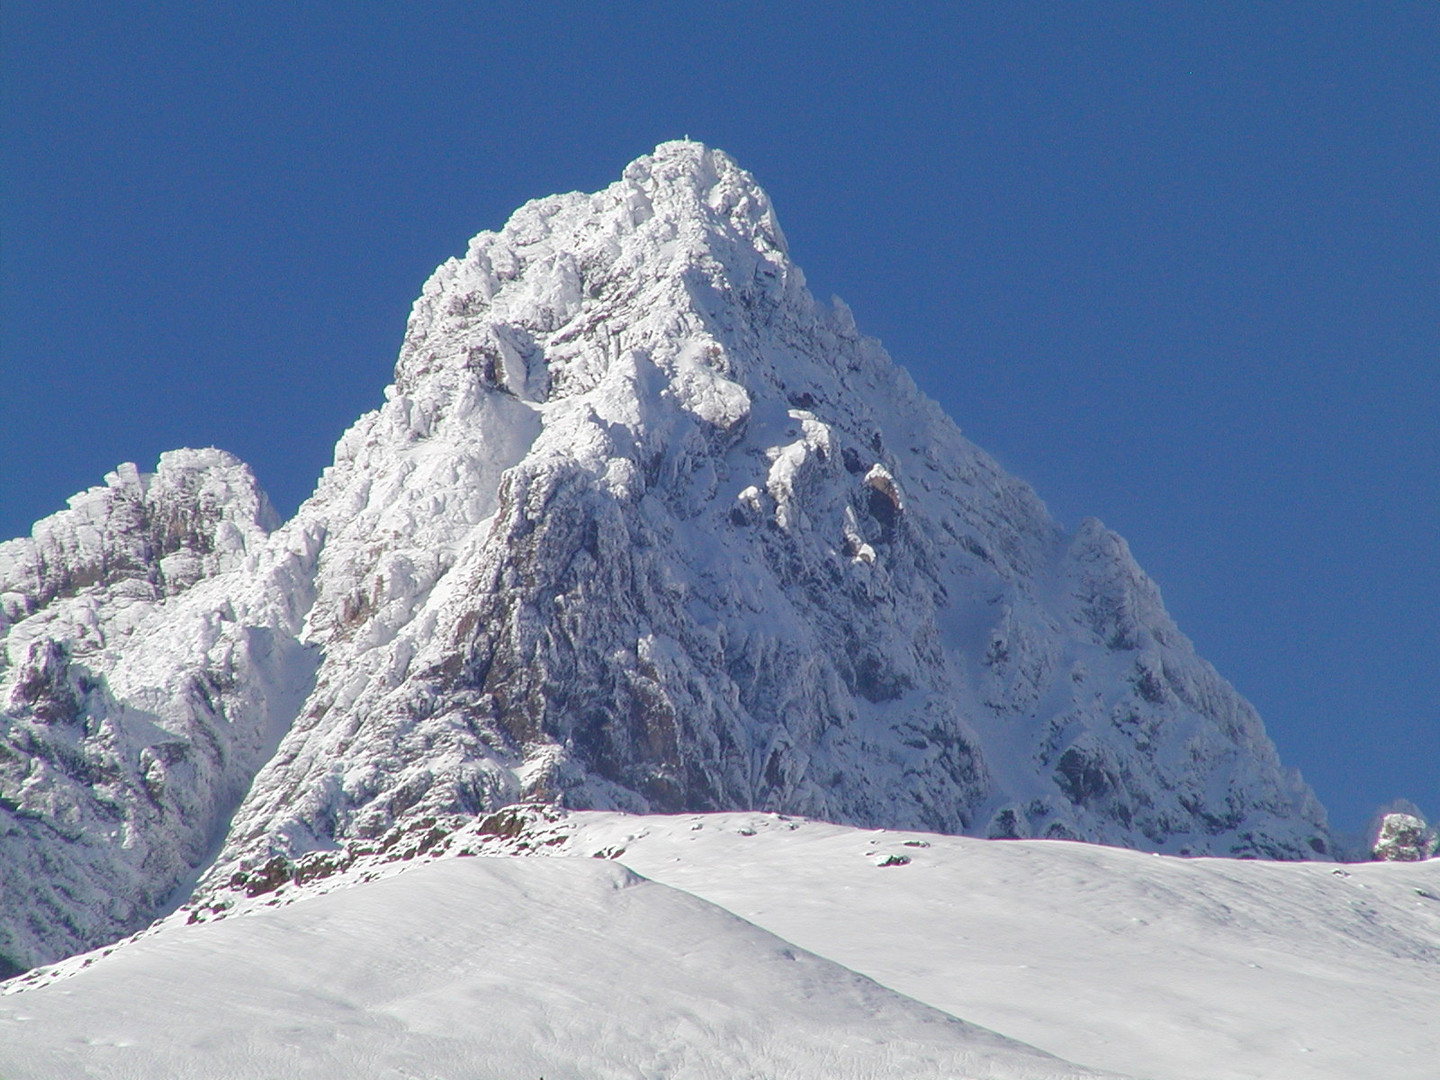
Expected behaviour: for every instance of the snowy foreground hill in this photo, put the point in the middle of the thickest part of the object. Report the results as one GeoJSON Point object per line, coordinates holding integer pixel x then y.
{"type": "Point", "coordinates": [757, 946]}
{"type": "Point", "coordinates": [640, 526]}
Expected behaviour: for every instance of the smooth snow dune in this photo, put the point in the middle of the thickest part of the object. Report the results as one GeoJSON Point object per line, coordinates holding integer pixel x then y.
{"type": "Point", "coordinates": [1168, 968]}
{"type": "Point", "coordinates": [488, 968]}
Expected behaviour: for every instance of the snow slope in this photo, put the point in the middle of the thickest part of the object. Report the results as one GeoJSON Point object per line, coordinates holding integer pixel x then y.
{"type": "Point", "coordinates": [488, 968]}
{"type": "Point", "coordinates": [1169, 968]}
{"type": "Point", "coordinates": [413, 958]}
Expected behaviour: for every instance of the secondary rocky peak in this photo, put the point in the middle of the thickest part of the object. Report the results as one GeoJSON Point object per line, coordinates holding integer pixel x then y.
{"type": "Point", "coordinates": [146, 660]}
{"type": "Point", "coordinates": [160, 532]}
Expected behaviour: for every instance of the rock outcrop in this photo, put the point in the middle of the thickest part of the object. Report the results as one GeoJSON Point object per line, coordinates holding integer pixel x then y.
{"type": "Point", "coordinates": [1403, 837]}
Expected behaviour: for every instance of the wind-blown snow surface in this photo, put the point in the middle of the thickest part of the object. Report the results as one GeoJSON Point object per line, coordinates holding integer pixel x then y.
{"type": "Point", "coordinates": [1168, 968]}
{"type": "Point", "coordinates": [489, 968]}
{"type": "Point", "coordinates": [1148, 966]}
{"type": "Point", "coordinates": [641, 526]}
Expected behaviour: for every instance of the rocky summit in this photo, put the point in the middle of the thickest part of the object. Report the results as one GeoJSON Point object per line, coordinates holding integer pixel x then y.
{"type": "Point", "coordinates": [640, 526]}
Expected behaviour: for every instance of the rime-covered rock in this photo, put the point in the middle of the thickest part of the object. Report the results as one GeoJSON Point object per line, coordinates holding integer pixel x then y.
{"type": "Point", "coordinates": [643, 526]}
{"type": "Point", "coordinates": [1402, 837]}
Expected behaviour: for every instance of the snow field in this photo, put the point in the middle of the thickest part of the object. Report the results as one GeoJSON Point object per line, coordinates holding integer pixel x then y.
{"type": "Point", "coordinates": [1156, 966]}
{"type": "Point", "coordinates": [570, 969]}
{"type": "Point", "coordinates": [561, 962]}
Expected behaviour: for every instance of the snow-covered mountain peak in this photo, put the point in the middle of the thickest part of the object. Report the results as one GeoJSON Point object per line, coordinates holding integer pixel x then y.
{"type": "Point", "coordinates": [658, 250]}
{"type": "Point", "coordinates": [684, 179]}
{"type": "Point", "coordinates": [641, 526]}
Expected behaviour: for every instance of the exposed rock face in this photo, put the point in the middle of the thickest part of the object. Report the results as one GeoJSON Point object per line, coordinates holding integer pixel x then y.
{"type": "Point", "coordinates": [642, 526]}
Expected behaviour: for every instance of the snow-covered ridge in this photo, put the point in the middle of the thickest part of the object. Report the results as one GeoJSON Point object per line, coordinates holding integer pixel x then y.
{"type": "Point", "coordinates": [642, 526]}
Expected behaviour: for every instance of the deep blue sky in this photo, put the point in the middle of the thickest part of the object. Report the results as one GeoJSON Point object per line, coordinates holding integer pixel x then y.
{"type": "Point", "coordinates": [1178, 266]}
